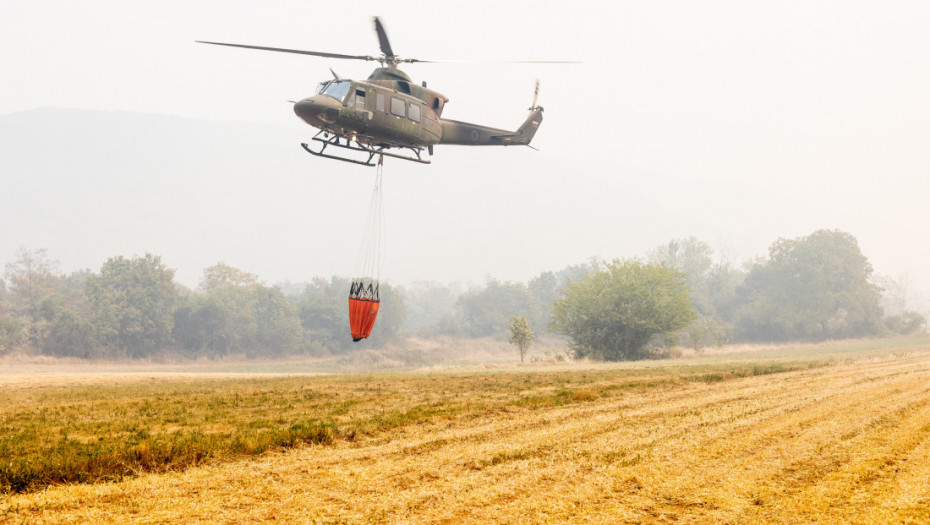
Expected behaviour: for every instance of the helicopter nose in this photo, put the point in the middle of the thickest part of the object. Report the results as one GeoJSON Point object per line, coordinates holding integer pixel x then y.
{"type": "Point", "coordinates": [318, 110]}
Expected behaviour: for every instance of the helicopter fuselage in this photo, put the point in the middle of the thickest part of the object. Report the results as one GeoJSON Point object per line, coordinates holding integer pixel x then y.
{"type": "Point", "coordinates": [387, 110]}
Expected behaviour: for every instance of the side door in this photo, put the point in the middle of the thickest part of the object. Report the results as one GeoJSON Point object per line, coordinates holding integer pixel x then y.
{"type": "Point", "coordinates": [357, 105]}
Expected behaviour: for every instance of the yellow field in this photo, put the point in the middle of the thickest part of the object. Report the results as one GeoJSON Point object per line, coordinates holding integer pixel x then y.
{"type": "Point", "coordinates": [845, 442]}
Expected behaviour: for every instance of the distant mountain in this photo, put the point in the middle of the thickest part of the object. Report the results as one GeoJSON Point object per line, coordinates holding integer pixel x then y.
{"type": "Point", "coordinates": [92, 184]}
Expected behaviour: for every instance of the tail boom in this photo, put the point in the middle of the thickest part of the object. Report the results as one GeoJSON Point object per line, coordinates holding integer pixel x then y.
{"type": "Point", "coordinates": [464, 133]}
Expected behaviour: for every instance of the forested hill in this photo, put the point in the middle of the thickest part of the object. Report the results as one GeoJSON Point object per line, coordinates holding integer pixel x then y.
{"type": "Point", "coordinates": [94, 183]}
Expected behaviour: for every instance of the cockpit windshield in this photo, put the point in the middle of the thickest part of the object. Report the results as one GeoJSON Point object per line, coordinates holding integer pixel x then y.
{"type": "Point", "coordinates": [322, 86]}
{"type": "Point", "coordinates": [338, 89]}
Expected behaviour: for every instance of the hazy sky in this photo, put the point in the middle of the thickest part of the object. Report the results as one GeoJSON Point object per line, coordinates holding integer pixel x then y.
{"type": "Point", "coordinates": [737, 122]}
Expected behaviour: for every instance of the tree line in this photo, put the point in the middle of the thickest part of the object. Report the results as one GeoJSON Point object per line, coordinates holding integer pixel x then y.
{"type": "Point", "coordinates": [811, 288]}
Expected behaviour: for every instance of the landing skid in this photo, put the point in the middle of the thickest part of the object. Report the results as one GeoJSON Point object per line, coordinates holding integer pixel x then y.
{"type": "Point", "coordinates": [360, 148]}
{"type": "Point", "coordinates": [335, 157]}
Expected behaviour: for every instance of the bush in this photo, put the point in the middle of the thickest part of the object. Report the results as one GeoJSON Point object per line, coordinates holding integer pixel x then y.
{"type": "Point", "coordinates": [614, 313]}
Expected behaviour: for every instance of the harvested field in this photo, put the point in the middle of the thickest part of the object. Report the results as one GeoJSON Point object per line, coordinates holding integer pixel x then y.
{"type": "Point", "coordinates": [840, 436]}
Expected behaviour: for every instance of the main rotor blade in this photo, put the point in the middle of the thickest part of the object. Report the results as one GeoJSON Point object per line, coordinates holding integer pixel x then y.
{"type": "Point", "coordinates": [469, 62]}
{"type": "Point", "coordinates": [296, 51]}
{"type": "Point", "coordinates": [389, 56]}
{"type": "Point", "coordinates": [383, 39]}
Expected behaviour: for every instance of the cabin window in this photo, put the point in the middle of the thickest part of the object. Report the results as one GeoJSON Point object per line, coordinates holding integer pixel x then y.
{"type": "Point", "coordinates": [414, 112]}
{"type": "Point", "coordinates": [360, 98]}
{"type": "Point", "coordinates": [338, 90]}
{"type": "Point", "coordinates": [379, 102]}
{"type": "Point", "coordinates": [398, 107]}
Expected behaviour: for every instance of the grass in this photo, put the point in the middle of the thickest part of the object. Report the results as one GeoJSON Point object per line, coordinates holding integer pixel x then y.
{"type": "Point", "coordinates": [105, 433]}
{"type": "Point", "coordinates": [839, 434]}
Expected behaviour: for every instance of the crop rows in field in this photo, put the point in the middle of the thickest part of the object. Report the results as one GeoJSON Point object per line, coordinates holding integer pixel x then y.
{"type": "Point", "coordinates": [741, 442]}
{"type": "Point", "coordinates": [105, 433]}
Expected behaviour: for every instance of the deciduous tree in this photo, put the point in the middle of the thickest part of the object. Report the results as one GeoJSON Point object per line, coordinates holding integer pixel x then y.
{"type": "Point", "coordinates": [520, 334]}
{"type": "Point", "coordinates": [234, 313]}
{"type": "Point", "coordinates": [613, 313]}
{"type": "Point", "coordinates": [485, 312]}
{"type": "Point", "coordinates": [324, 314]}
{"type": "Point", "coordinates": [815, 287]}
{"type": "Point", "coordinates": [31, 278]}
{"type": "Point", "coordinates": [132, 304]}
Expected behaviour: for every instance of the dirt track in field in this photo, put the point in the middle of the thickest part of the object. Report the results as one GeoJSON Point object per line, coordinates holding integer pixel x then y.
{"type": "Point", "coordinates": [844, 443]}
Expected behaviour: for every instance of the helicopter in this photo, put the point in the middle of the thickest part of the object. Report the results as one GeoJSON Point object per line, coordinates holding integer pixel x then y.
{"type": "Point", "coordinates": [389, 111]}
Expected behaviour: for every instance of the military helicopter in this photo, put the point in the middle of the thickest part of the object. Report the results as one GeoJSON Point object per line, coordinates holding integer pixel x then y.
{"type": "Point", "coordinates": [389, 111]}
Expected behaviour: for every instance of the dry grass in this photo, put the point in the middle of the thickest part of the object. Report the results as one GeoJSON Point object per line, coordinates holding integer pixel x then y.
{"type": "Point", "coordinates": [410, 354]}
{"type": "Point", "coordinates": [650, 442]}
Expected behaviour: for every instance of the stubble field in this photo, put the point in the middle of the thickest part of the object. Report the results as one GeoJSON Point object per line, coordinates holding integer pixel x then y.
{"type": "Point", "coordinates": [826, 433]}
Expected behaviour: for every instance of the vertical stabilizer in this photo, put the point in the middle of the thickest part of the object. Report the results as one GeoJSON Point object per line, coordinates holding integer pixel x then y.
{"type": "Point", "coordinates": [526, 132]}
